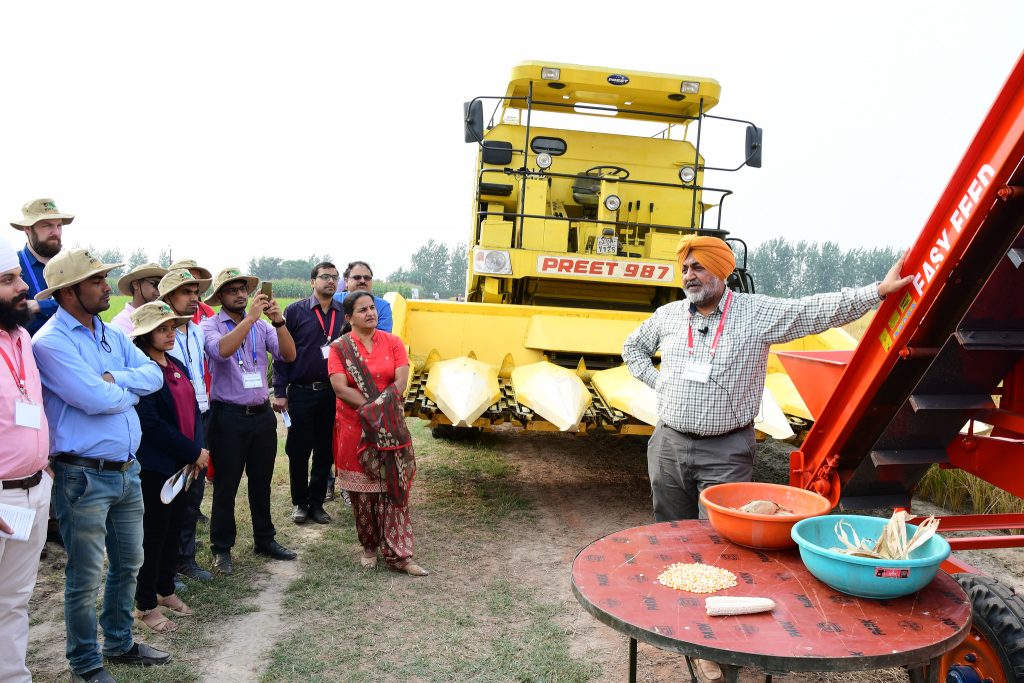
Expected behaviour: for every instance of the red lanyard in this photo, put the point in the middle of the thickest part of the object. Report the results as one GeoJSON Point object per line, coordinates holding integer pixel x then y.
{"type": "Point", "coordinates": [327, 330]}
{"type": "Point", "coordinates": [718, 332]}
{"type": "Point", "coordinates": [18, 379]}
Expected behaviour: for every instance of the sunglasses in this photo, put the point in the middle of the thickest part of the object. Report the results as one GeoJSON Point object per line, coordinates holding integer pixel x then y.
{"type": "Point", "coordinates": [361, 278]}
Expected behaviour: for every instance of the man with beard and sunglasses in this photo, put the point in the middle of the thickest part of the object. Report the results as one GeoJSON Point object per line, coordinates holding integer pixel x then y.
{"type": "Point", "coordinates": [43, 225]}
{"type": "Point", "coordinates": [714, 354]}
{"type": "Point", "coordinates": [92, 377]}
{"type": "Point", "coordinates": [24, 472]}
{"type": "Point", "coordinates": [242, 427]}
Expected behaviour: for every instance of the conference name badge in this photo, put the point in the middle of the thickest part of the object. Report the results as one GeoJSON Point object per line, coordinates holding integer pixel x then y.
{"type": "Point", "coordinates": [28, 415]}
{"type": "Point", "coordinates": [252, 380]}
{"type": "Point", "coordinates": [697, 372]}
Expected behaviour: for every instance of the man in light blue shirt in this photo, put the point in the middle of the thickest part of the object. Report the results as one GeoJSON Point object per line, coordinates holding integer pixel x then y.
{"type": "Point", "coordinates": [92, 377]}
{"type": "Point", "coordinates": [359, 277]}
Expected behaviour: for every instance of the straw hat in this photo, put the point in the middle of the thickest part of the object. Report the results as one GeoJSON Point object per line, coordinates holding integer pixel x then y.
{"type": "Point", "coordinates": [40, 210]}
{"type": "Point", "coordinates": [124, 285]}
{"type": "Point", "coordinates": [189, 264]}
{"type": "Point", "coordinates": [230, 275]}
{"type": "Point", "coordinates": [179, 278]}
{"type": "Point", "coordinates": [148, 317]}
{"type": "Point", "coordinates": [70, 267]}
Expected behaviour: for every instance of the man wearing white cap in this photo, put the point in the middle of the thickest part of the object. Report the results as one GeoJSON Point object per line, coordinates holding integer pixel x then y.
{"type": "Point", "coordinates": [43, 225]}
{"type": "Point", "coordinates": [92, 378]}
{"type": "Point", "coordinates": [23, 469]}
{"type": "Point", "coordinates": [142, 284]}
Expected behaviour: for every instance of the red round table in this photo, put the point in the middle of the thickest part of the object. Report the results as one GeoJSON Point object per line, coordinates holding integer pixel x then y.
{"type": "Point", "coordinates": [813, 627]}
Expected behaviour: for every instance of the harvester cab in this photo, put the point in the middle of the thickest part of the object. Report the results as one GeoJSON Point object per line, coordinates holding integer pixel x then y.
{"type": "Point", "coordinates": [585, 180]}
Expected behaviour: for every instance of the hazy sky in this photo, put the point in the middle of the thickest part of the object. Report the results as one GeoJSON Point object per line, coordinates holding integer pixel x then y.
{"type": "Point", "coordinates": [230, 129]}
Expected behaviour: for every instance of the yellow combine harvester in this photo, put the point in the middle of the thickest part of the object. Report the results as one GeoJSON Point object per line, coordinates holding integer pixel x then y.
{"type": "Point", "coordinates": [573, 238]}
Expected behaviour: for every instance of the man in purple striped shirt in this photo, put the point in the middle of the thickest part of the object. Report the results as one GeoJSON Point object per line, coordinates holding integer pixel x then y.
{"type": "Point", "coordinates": [243, 429]}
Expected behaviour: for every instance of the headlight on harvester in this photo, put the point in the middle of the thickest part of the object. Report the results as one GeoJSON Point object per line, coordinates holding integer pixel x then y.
{"type": "Point", "coordinates": [492, 262]}
{"type": "Point", "coordinates": [687, 174]}
{"type": "Point", "coordinates": [612, 202]}
{"type": "Point", "coordinates": [689, 87]}
{"type": "Point", "coordinates": [544, 160]}
{"type": "Point", "coordinates": [550, 73]}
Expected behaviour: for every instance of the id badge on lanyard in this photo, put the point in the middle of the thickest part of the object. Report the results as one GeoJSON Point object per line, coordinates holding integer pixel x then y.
{"type": "Point", "coordinates": [252, 380]}
{"type": "Point", "coordinates": [701, 372]}
{"type": "Point", "coordinates": [26, 413]}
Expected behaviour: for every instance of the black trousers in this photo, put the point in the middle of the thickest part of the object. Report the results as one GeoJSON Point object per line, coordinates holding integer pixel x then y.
{"type": "Point", "coordinates": [161, 526]}
{"type": "Point", "coordinates": [193, 499]}
{"type": "Point", "coordinates": [312, 431]}
{"type": "Point", "coordinates": [241, 443]}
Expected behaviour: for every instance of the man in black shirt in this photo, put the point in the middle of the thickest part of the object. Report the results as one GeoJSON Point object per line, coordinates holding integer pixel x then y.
{"type": "Point", "coordinates": [302, 389]}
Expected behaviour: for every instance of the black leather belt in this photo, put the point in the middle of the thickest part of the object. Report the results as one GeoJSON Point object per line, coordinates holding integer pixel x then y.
{"type": "Point", "coordinates": [698, 437]}
{"type": "Point", "coordinates": [314, 386]}
{"type": "Point", "coordinates": [26, 483]}
{"type": "Point", "coordinates": [242, 410]}
{"type": "Point", "coordinates": [94, 463]}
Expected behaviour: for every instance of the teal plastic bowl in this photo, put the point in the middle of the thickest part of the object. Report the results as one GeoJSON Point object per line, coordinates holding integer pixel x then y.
{"type": "Point", "coordinates": [862, 576]}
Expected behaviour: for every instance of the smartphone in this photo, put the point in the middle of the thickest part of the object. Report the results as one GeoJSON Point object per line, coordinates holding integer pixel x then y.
{"type": "Point", "coordinates": [267, 289]}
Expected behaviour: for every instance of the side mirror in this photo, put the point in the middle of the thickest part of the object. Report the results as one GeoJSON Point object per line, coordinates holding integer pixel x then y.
{"type": "Point", "coordinates": [473, 118]}
{"type": "Point", "coordinates": [754, 135]}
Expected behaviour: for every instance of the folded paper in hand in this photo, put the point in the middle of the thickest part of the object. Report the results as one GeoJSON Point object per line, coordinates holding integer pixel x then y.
{"type": "Point", "coordinates": [181, 479]}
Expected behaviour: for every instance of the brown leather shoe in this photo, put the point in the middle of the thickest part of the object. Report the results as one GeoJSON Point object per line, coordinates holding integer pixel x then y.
{"type": "Point", "coordinates": [708, 671]}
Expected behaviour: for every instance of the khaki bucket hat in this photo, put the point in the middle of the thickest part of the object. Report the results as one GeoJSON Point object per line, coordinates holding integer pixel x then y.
{"type": "Point", "coordinates": [70, 267]}
{"type": "Point", "coordinates": [179, 278]}
{"type": "Point", "coordinates": [124, 285]}
{"type": "Point", "coordinates": [148, 317]}
{"type": "Point", "coordinates": [230, 275]}
{"type": "Point", "coordinates": [190, 264]}
{"type": "Point", "coordinates": [40, 210]}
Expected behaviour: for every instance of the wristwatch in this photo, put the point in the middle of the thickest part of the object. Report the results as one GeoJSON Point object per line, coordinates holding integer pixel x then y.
{"type": "Point", "coordinates": [280, 324]}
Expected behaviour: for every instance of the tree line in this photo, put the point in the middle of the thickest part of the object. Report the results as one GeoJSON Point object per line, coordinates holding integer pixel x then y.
{"type": "Point", "coordinates": [795, 269]}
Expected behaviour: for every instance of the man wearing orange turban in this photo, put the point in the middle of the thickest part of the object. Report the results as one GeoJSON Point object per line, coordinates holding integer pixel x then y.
{"type": "Point", "coordinates": [714, 354]}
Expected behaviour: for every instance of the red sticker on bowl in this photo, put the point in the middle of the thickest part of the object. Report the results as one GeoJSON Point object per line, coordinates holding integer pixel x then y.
{"type": "Point", "coordinates": [891, 573]}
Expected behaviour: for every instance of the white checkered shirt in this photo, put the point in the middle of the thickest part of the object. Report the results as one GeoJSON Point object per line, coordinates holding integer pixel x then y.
{"type": "Point", "coordinates": [731, 397]}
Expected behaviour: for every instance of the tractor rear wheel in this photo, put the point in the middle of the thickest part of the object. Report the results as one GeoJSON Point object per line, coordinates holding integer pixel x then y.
{"type": "Point", "coordinates": [994, 649]}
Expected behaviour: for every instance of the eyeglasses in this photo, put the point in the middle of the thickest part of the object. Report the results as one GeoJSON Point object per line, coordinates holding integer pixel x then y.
{"type": "Point", "coordinates": [328, 278]}
{"type": "Point", "coordinates": [361, 278]}
{"type": "Point", "coordinates": [155, 284]}
{"type": "Point", "coordinates": [237, 289]}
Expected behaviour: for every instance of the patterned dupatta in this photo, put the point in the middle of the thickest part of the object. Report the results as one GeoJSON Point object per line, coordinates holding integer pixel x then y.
{"type": "Point", "coordinates": [386, 445]}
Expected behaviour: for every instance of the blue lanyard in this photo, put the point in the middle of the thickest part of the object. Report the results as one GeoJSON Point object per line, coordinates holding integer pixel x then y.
{"type": "Point", "coordinates": [188, 353]}
{"type": "Point", "coordinates": [30, 270]}
{"type": "Point", "coordinates": [252, 342]}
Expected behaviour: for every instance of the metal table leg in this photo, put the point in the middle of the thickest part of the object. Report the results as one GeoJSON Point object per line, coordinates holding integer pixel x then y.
{"type": "Point", "coordinates": [632, 660]}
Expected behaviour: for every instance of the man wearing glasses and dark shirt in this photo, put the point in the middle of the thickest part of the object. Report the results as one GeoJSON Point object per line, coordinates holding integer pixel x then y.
{"type": "Point", "coordinates": [302, 389]}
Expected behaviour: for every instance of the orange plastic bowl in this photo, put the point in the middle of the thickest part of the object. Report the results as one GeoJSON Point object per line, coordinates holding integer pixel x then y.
{"type": "Point", "coordinates": [767, 532]}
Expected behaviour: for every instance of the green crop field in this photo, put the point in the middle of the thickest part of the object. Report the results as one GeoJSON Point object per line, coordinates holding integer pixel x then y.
{"type": "Point", "coordinates": [117, 302]}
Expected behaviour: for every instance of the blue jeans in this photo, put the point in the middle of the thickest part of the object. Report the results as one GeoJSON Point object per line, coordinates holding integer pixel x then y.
{"type": "Point", "coordinates": [96, 510]}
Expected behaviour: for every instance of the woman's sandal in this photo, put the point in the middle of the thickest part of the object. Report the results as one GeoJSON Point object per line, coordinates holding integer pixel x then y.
{"type": "Point", "coordinates": [367, 562]}
{"type": "Point", "coordinates": [155, 621]}
{"type": "Point", "coordinates": [175, 605]}
{"type": "Point", "coordinates": [413, 569]}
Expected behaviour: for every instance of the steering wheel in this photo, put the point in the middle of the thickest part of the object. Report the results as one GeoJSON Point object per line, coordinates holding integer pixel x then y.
{"type": "Point", "coordinates": [613, 171]}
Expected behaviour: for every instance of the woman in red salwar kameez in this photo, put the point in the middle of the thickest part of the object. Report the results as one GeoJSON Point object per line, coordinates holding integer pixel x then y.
{"type": "Point", "coordinates": [369, 371]}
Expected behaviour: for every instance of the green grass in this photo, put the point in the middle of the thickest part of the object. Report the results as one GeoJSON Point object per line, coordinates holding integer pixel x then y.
{"type": "Point", "coordinates": [961, 491]}
{"type": "Point", "coordinates": [467, 622]}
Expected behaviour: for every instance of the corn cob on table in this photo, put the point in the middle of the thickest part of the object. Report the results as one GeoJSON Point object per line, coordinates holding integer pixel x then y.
{"type": "Point", "coordinates": [811, 628]}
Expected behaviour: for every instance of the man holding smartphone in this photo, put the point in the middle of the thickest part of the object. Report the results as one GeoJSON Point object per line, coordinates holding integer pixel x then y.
{"type": "Point", "coordinates": [243, 429]}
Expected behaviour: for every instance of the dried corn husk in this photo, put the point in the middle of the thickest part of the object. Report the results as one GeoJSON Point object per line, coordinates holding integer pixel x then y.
{"type": "Point", "coordinates": [892, 544]}
{"type": "Point", "coordinates": [764, 507]}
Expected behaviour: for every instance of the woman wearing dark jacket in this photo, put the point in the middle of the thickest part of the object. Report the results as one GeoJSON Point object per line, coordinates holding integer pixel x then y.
{"type": "Point", "coordinates": [172, 437]}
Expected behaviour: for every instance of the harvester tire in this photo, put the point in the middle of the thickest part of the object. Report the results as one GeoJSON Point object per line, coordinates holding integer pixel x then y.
{"type": "Point", "coordinates": [452, 433]}
{"type": "Point", "coordinates": [998, 615]}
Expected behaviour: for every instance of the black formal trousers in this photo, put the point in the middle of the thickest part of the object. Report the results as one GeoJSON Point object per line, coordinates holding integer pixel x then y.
{"type": "Point", "coordinates": [161, 526]}
{"type": "Point", "coordinates": [312, 431]}
{"type": "Point", "coordinates": [241, 442]}
{"type": "Point", "coordinates": [193, 499]}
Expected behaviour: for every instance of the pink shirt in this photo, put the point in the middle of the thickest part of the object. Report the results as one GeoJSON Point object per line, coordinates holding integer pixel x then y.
{"type": "Point", "coordinates": [23, 450]}
{"type": "Point", "coordinates": [123, 320]}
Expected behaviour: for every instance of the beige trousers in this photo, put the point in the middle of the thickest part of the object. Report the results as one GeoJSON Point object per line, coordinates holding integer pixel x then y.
{"type": "Point", "coordinates": [19, 563]}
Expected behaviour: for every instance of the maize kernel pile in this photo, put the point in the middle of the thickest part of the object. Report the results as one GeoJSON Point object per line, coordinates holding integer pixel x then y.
{"type": "Point", "coordinates": [696, 578]}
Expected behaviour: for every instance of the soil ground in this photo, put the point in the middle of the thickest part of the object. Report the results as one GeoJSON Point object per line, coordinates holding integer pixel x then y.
{"type": "Point", "coordinates": [280, 621]}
